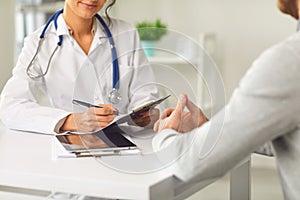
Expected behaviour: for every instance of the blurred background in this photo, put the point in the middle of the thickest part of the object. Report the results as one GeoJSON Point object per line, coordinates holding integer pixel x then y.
{"type": "Point", "coordinates": [234, 33]}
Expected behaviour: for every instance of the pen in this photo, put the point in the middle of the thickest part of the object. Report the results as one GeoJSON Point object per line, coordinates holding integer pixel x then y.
{"type": "Point", "coordinates": [81, 103]}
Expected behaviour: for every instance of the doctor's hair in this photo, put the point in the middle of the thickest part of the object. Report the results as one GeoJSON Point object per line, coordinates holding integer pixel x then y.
{"type": "Point", "coordinates": [107, 9]}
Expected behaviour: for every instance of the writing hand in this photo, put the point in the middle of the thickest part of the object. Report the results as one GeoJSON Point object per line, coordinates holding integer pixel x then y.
{"type": "Point", "coordinates": [91, 120]}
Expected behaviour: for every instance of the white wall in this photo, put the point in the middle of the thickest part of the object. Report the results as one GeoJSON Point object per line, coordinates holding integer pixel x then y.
{"type": "Point", "coordinates": [7, 34]}
{"type": "Point", "coordinates": [244, 28]}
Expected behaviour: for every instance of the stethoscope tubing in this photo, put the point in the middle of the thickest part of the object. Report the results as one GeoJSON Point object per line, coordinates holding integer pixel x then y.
{"type": "Point", "coordinates": [54, 17]}
{"type": "Point", "coordinates": [115, 62]}
{"type": "Point", "coordinates": [30, 74]}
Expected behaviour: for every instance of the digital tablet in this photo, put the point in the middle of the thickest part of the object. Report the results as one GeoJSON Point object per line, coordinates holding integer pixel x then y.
{"type": "Point", "coordinates": [107, 141]}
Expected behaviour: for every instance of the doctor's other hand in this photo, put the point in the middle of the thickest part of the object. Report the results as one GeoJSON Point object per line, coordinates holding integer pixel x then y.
{"type": "Point", "coordinates": [180, 120]}
{"type": "Point", "coordinates": [146, 119]}
{"type": "Point", "coordinates": [91, 120]}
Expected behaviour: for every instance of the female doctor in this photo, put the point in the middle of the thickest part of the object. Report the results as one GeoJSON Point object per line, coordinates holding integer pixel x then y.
{"type": "Point", "coordinates": [78, 55]}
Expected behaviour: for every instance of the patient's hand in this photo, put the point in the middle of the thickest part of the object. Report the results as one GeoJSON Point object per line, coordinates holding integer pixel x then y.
{"type": "Point", "coordinates": [180, 120]}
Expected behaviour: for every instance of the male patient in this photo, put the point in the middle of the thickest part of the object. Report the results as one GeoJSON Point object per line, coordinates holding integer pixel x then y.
{"type": "Point", "coordinates": [265, 107]}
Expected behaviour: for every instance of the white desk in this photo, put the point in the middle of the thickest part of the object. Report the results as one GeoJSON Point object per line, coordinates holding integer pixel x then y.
{"type": "Point", "coordinates": [26, 162]}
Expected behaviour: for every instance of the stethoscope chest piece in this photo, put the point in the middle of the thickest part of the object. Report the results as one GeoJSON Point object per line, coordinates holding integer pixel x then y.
{"type": "Point", "coordinates": [114, 96]}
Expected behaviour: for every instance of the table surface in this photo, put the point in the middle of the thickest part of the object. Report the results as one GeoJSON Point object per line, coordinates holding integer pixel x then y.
{"type": "Point", "coordinates": [26, 161]}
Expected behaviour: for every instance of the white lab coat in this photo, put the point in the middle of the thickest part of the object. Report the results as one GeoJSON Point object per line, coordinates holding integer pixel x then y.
{"type": "Point", "coordinates": [41, 105]}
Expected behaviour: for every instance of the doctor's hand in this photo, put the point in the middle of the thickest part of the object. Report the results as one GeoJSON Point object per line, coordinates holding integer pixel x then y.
{"type": "Point", "coordinates": [146, 119]}
{"type": "Point", "coordinates": [180, 120]}
{"type": "Point", "coordinates": [91, 120]}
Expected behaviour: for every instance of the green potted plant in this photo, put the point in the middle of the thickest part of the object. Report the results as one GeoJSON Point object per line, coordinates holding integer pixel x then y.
{"type": "Point", "coordinates": [149, 33]}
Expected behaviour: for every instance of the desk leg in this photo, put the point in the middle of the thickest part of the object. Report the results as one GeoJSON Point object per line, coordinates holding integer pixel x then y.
{"type": "Point", "coordinates": [240, 182]}
{"type": "Point", "coordinates": [162, 190]}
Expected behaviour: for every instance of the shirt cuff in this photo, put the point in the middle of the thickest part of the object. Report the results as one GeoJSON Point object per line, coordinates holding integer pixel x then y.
{"type": "Point", "coordinates": [164, 138]}
{"type": "Point", "coordinates": [59, 124]}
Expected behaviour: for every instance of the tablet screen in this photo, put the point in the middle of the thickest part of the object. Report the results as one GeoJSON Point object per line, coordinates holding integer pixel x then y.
{"type": "Point", "coordinates": [108, 138]}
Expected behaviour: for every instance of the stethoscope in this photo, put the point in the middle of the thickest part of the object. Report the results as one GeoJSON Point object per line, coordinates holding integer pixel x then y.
{"type": "Point", "coordinates": [114, 96]}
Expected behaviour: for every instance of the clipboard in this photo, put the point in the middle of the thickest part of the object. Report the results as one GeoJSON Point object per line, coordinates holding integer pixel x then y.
{"type": "Point", "coordinates": [108, 141]}
{"type": "Point", "coordinates": [136, 112]}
